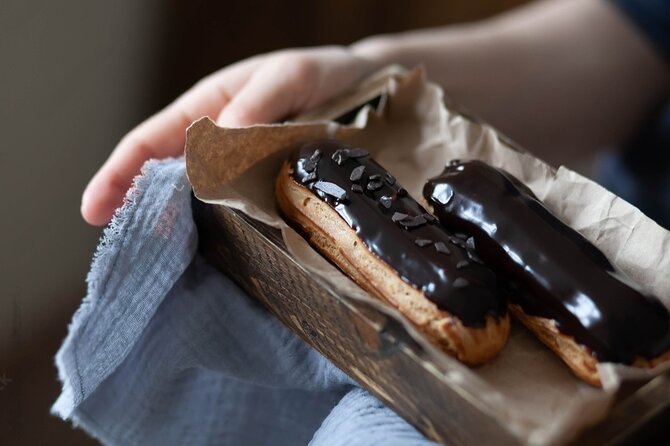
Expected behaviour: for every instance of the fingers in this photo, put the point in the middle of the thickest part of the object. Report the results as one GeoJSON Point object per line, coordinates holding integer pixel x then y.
{"type": "Point", "coordinates": [161, 136]}
{"type": "Point", "coordinates": [262, 89]}
{"type": "Point", "coordinates": [289, 82]}
{"type": "Point", "coordinates": [282, 87]}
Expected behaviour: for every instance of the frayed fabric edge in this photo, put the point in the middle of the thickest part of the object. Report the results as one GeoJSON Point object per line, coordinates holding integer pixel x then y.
{"type": "Point", "coordinates": [105, 253]}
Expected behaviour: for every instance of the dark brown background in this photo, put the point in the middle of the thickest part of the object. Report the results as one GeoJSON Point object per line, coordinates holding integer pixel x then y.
{"type": "Point", "coordinates": [76, 76]}
{"type": "Point", "coordinates": [214, 34]}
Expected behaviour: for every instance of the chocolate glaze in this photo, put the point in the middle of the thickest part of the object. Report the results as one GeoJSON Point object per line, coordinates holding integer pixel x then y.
{"type": "Point", "coordinates": [389, 223]}
{"type": "Point", "coordinates": [558, 274]}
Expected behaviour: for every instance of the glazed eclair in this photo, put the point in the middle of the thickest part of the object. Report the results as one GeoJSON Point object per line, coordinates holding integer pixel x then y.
{"type": "Point", "coordinates": [356, 214]}
{"type": "Point", "coordinates": [564, 289]}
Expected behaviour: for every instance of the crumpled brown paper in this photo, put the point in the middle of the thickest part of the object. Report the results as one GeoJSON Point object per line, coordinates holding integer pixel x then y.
{"type": "Point", "coordinates": [413, 135]}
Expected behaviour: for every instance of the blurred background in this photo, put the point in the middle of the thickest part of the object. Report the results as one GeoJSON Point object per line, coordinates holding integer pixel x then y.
{"type": "Point", "coordinates": [75, 76]}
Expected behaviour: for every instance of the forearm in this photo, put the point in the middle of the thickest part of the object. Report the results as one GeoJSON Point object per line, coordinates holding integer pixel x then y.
{"type": "Point", "coordinates": [560, 77]}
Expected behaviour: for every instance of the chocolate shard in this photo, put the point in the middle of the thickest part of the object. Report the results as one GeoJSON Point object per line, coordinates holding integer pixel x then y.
{"type": "Point", "coordinates": [310, 163]}
{"type": "Point", "coordinates": [374, 185]}
{"type": "Point", "coordinates": [386, 201]}
{"type": "Point", "coordinates": [309, 178]}
{"type": "Point", "coordinates": [357, 173]}
{"type": "Point", "coordinates": [357, 188]}
{"type": "Point", "coordinates": [470, 244]}
{"type": "Point", "coordinates": [375, 177]}
{"type": "Point", "coordinates": [457, 241]}
{"type": "Point", "coordinates": [461, 235]}
{"type": "Point", "coordinates": [413, 222]}
{"type": "Point", "coordinates": [441, 247]}
{"type": "Point", "coordinates": [357, 153]}
{"type": "Point", "coordinates": [398, 216]}
{"type": "Point", "coordinates": [462, 264]}
{"type": "Point", "coordinates": [340, 156]}
{"type": "Point", "coordinates": [461, 282]}
{"type": "Point", "coordinates": [390, 179]}
{"type": "Point", "coordinates": [331, 189]}
{"type": "Point", "coordinates": [422, 242]}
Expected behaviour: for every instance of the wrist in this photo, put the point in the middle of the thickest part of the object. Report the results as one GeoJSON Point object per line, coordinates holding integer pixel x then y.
{"type": "Point", "coordinates": [377, 50]}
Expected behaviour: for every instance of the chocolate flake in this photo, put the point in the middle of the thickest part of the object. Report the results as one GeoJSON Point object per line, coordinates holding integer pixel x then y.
{"type": "Point", "coordinates": [375, 185]}
{"type": "Point", "coordinates": [421, 242]}
{"type": "Point", "coordinates": [461, 235]}
{"type": "Point", "coordinates": [457, 241]}
{"type": "Point", "coordinates": [398, 216]}
{"type": "Point", "coordinates": [386, 201]}
{"type": "Point", "coordinates": [470, 244]}
{"type": "Point", "coordinates": [390, 179]}
{"type": "Point", "coordinates": [413, 222]}
{"type": "Point", "coordinates": [310, 177]}
{"type": "Point", "coordinates": [357, 173]}
{"type": "Point", "coordinates": [331, 189]}
{"type": "Point", "coordinates": [462, 264]}
{"type": "Point", "coordinates": [441, 247]}
{"type": "Point", "coordinates": [340, 156]}
{"type": "Point", "coordinates": [357, 188]}
{"type": "Point", "coordinates": [375, 177]}
{"type": "Point", "coordinates": [357, 153]}
{"type": "Point", "coordinates": [461, 282]}
{"type": "Point", "coordinates": [310, 163]}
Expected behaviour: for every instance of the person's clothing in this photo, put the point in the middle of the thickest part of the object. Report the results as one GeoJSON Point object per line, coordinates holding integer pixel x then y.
{"type": "Point", "coordinates": [167, 350]}
{"type": "Point", "coordinates": [652, 18]}
{"type": "Point", "coordinates": [639, 171]}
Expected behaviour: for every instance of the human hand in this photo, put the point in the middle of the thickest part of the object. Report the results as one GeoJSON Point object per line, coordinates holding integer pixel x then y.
{"type": "Point", "coordinates": [261, 89]}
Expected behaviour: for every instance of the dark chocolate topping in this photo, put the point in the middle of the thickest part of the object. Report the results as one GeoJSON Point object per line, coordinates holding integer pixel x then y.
{"type": "Point", "coordinates": [430, 218]}
{"type": "Point", "coordinates": [557, 273]}
{"type": "Point", "coordinates": [396, 233]}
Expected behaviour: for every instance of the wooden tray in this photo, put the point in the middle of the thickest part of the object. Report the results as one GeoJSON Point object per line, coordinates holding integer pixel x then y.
{"type": "Point", "coordinates": [376, 351]}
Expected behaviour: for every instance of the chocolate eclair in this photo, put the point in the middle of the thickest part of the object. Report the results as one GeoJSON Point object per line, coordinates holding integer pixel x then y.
{"type": "Point", "coordinates": [360, 218]}
{"type": "Point", "coordinates": [565, 290]}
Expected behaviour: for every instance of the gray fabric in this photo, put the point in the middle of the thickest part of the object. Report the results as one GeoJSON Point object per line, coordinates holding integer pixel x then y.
{"type": "Point", "coordinates": [166, 350]}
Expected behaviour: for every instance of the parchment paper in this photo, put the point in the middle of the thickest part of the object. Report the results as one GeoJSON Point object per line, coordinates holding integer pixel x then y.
{"type": "Point", "coordinates": [413, 135]}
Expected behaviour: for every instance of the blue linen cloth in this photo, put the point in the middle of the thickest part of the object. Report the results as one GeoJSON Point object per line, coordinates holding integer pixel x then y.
{"type": "Point", "coordinates": [165, 350]}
